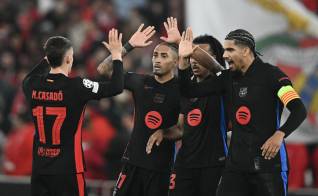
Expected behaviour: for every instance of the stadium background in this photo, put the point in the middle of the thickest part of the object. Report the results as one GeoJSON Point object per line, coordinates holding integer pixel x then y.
{"type": "Point", "coordinates": [286, 32]}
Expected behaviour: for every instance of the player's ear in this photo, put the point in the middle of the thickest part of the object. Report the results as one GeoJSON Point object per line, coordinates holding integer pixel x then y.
{"type": "Point", "coordinates": [246, 51]}
{"type": "Point", "coordinates": [67, 59]}
{"type": "Point", "coordinates": [176, 60]}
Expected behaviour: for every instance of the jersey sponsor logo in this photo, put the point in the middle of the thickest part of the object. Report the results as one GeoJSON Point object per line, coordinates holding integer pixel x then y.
{"type": "Point", "coordinates": [153, 119]}
{"type": "Point", "coordinates": [243, 92]}
{"type": "Point", "coordinates": [47, 95]}
{"type": "Point", "coordinates": [91, 84]}
{"type": "Point", "coordinates": [48, 152]}
{"type": "Point", "coordinates": [243, 115]}
{"type": "Point", "coordinates": [159, 98]}
{"type": "Point", "coordinates": [146, 87]}
{"type": "Point", "coordinates": [194, 117]}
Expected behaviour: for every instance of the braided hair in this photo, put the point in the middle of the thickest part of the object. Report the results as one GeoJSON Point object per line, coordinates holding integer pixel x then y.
{"type": "Point", "coordinates": [243, 37]}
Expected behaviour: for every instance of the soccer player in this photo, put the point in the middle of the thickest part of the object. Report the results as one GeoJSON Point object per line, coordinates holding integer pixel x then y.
{"type": "Point", "coordinates": [257, 162]}
{"type": "Point", "coordinates": [57, 104]}
{"type": "Point", "coordinates": [201, 158]}
{"type": "Point", "coordinates": [157, 101]}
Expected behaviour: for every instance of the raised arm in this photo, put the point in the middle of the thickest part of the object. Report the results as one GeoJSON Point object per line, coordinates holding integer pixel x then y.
{"type": "Point", "coordinates": [206, 60]}
{"type": "Point", "coordinates": [141, 38]}
{"type": "Point", "coordinates": [114, 46]}
{"type": "Point", "coordinates": [42, 68]}
{"type": "Point", "coordinates": [173, 33]}
{"type": "Point", "coordinates": [197, 53]}
{"type": "Point", "coordinates": [200, 55]}
{"type": "Point", "coordinates": [213, 85]}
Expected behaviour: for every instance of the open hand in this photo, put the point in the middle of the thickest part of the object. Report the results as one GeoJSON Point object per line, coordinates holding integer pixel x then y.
{"type": "Point", "coordinates": [141, 37]}
{"type": "Point", "coordinates": [172, 30]}
{"type": "Point", "coordinates": [186, 47]}
{"type": "Point", "coordinates": [272, 145]}
{"type": "Point", "coordinates": [114, 44]}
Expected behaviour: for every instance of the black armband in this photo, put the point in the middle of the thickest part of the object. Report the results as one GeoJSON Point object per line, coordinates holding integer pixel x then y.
{"type": "Point", "coordinates": [128, 47]}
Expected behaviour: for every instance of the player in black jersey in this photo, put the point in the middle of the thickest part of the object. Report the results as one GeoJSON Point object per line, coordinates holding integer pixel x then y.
{"type": "Point", "coordinates": [156, 99]}
{"type": "Point", "coordinates": [201, 158]}
{"type": "Point", "coordinates": [57, 104]}
{"type": "Point", "coordinates": [257, 162]}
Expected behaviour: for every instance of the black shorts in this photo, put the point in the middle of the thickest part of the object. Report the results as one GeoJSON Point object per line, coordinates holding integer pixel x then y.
{"type": "Point", "coordinates": [195, 181]}
{"type": "Point", "coordinates": [136, 181]}
{"type": "Point", "coordinates": [250, 184]}
{"type": "Point", "coordinates": [58, 185]}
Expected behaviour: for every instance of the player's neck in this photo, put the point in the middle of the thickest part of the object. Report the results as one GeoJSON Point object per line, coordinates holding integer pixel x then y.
{"type": "Point", "coordinates": [59, 70]}
{"type": "Point", "coordinates": [248, 62]}
{"type": "Point", "coordinates": [164, 78]}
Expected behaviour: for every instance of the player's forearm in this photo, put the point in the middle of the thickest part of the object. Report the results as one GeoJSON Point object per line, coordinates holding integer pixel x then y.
{"type": "Point", "coordinates": [173, 133]}
{"type": "Point", "coordinates": [40, 69]}
{"type": "Point", "coordinates": [116, 84]}
{"type": "Point", "coordinates": [206, 60]}
{"type": "Point", "coordinates": [185, 82]}
{"type": "Point", "coordinates": [211, 86]}
{"type": "Point", "coordinates": [184, 63]}
{"type": "Point", "coordinates": [190, 89]}
{"type": "Point", "coordinates": [106, 66]}
{"type": "Point", "coordinates": [297, 115]}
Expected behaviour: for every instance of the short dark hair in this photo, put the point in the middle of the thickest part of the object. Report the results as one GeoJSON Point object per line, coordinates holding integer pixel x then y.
{"type": "Point", "coordinates": [215, 46]}
{"type": "Point", "coordinates": [55, 48]}
{"type": "Point", "coordinates": [244, 38]}
{"type": "Point", "coordinates": [174, 47]}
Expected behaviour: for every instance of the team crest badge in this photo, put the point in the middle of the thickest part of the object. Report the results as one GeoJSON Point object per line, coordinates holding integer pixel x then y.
{"type": "Point", "coordinates": [243, 92]}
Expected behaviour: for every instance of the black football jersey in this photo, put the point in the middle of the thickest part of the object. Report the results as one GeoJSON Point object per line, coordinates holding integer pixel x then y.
{"type": "Point", "coordinates": [157, 106]}
{"type": "Point", "coordinates": [57, 106]}
{"type": "Point", "coordinates": [204, 138]}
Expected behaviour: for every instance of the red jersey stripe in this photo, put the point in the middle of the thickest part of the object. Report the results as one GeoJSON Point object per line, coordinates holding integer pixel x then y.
{"type": "Point", "coordinates": [80, 184]}
{"type": "Point", "coordinates": [78, 151]}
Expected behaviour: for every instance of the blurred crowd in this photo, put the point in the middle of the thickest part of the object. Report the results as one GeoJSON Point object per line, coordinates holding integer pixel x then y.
{"type": "Point", "coordinates": [25, 26]}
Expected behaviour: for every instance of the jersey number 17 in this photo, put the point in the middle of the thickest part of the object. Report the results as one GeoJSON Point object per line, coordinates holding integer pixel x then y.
{"type": "Point", "coordinates": [59, 112]}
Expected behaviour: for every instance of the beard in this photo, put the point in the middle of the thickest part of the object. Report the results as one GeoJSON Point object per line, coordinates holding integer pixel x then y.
{"type": "Point", "coordinates": [158, 72]}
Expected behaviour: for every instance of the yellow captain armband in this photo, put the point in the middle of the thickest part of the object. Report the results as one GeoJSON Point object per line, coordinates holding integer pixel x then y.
{"type": "Point", "coordinates": [286, 94]}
